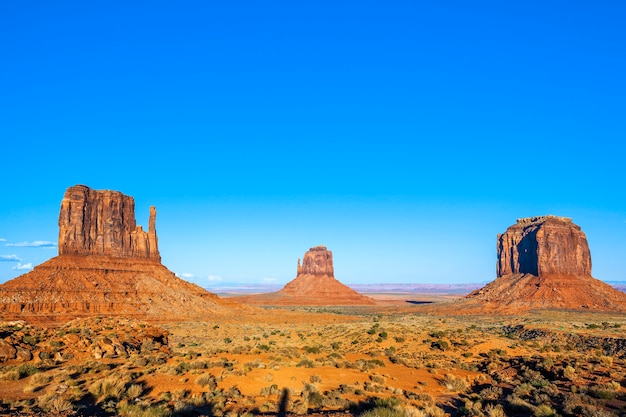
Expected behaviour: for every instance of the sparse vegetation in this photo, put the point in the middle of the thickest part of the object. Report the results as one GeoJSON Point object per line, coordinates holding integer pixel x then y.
{"type": "Point", "coordinates": [407, 366]}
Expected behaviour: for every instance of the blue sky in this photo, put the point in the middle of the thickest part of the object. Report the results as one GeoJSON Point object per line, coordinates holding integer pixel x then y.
{"type": "Point", "coordinates": [402, 135]}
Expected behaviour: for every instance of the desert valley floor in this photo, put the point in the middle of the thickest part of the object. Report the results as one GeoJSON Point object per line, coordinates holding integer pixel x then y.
{"type": "Point", "coordinates": [397, 358]}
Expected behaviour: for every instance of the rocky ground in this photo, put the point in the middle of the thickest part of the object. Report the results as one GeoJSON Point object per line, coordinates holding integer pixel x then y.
{"type": "Point", "coordinates": [395, 361]}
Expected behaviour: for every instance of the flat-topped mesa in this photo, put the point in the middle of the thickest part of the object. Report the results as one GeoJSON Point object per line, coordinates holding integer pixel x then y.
{"type": "Point", "coordinates": [541, 219]}
{"type": "Point", "coordinates": [102, 222]}
{"type": "Point", "coordinates": [543, 245]}
{"type": "Point", "coordinates": [317, 261]}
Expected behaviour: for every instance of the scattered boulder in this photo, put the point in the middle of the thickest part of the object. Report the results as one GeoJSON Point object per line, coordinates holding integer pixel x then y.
{"type": "Point", "coordinates": [7, 350]}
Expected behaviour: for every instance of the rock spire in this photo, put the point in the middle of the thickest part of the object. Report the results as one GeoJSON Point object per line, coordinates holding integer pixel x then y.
{"type": "Point", "coordinates": [102, 222]}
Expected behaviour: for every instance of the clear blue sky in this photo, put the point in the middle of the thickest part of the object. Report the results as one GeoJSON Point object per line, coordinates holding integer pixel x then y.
{"type": "Point", "coordinates": [404, 135]}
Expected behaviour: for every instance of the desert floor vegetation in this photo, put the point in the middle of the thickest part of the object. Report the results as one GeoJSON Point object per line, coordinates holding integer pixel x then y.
{"type": "Point", "coordinates": [357, 361]}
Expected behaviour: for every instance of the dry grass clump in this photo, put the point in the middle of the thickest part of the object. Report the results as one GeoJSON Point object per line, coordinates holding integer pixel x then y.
{"type": "Point", "coordinates": [454, 384]}
{"type": "Point", "coordinates": [110, 388]}
{"type": "Point", "coordinates": [207, 380]}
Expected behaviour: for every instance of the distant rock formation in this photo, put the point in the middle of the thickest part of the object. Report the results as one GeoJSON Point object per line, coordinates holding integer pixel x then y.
{"type": "Point", "coordinates": [107, 265]}
{"type": "Point", "coordinates": [315, 284]}
{"type": "Point", "coordinates": [543, 263]}
{"type": "Point", "coordinates": [317, 261]}
{"type": "Point", "coordinates": [544, 245]}
{"type": "Point", "coordinates": [102, 222]}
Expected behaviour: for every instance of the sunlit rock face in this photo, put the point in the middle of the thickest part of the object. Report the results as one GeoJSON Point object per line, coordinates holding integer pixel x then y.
{"type": "Point", "coordinates": [107, 265]}
{"type": "Point", "coordinates": [317, 261]}
{"type": "Point", "coordinates": [544, 245]}
{"type": "Point", "coordinates": [543, 263]}
{"type": "Point", "coordinates": [102, 222]}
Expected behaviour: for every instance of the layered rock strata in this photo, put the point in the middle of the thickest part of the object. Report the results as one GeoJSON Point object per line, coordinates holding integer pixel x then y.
{"type": "Point", "coordinates": [107, 265]}
{"type": "Point", "coordinates": [543, 263]}
{"type": "Point", "coordinates": [102, 222]}
{"type": "Point", "coordinates": [544, 245]}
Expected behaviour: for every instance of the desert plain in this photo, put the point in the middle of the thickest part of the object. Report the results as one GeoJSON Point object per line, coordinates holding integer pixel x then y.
{"type": "Point", "coordinates": [393, 359]}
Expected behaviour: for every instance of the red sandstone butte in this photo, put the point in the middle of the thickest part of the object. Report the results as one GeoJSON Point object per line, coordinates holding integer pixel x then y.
{"type": "Point", "coordinates": [543, 262]}
{"type": "Point", "coordinates": [107, 265]}
{"type": "Point", "coordinates": [314, 285]}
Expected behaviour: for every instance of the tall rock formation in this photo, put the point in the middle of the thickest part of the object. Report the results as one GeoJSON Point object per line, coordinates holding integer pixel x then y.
{"type": "Point", "coordinates": [317, 261]}
{"type": "Point", "coordinates": [107, 265]}
{"type": "Point", "coordinates": [102, 222]}
{"type": "Point", "coordinates": [543, 263]}
{"type": "Point", "coordinates": [315, 284]}
{"type": "Point", "coordinates": [544, 245]}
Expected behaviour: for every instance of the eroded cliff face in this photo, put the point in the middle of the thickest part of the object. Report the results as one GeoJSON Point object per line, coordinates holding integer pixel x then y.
{"type": "Point", "coordinates": [544, 245]}
{"type": "Point", "coordinates": [107, 265]}
{"type": "Point", "coordinates": [317, 261]}
{"type": "Point", "coordinates": [102, 222]}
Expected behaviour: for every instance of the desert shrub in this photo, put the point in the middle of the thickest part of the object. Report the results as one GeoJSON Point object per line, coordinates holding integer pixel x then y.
{"type": "Point", "coordinates": [27, 369]}
{"type": "Point", "coordinates": [440, 344]}
{"type": "Point", "coordinates": [53, 403]}
{"type": "Point", "coordinates": [569, 372]}
{"type": "Point", "coordinates": [365, 365]}
{"type": "Point", "coordinates": [454, 384]}
{"type": "Point", "coordinates": [306, 363]}
{"type": "Point", "coordinates": [316, 379]}
{"type": "Point", "coordinates": [271, 390]}
{"type": "Point", "coordinates": [207, 380]}
{"type": "Point", "coordinates": [134, 391]}
{"type": "Point", "coordinates": [523, 389]}
{"type": "Point", "coordinates": [10, 375]}
{"type": "Point", "coordinates": [108, 388]}
{"type": "Point", "coordinates": [378, 379]}
{"type": "Point", "coordinates": [147, 346]}
{"type": "Point", "coordinates": [544, 410]}
{"type": "Point", "coordinates": [471, 408]}
{"type": "Point", "coordinates": [315, 399]}
{"type": "Point", "coordinates": [139, 360]}
{"type": "Point", "coordinates": [494, 411]}
{"type": "Point", "coordinates": [311, 349]}
{"type": "Point", "coordinates": [30, 339]}
{"type": "Point", "coordinates": [602, 392]}
{"type": "Point", "coordinates": [492, 393]}
{"type": "Point", "coordinates": [606, 360]}
{"type": "Point", "coordinates": [517, 404]}
{"type": "Point", "coordinates": [136, 410]}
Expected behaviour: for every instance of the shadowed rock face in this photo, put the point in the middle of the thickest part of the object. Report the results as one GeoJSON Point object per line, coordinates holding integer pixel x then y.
{"type": "Point", "coordinates": [94, 222]}
{"type": "Point", "coordinates": [543, 263]}
{"type": "Point", "coordinates": [545, 245]}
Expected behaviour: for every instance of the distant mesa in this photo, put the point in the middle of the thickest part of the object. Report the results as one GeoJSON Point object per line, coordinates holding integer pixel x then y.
{"type": "Point", "coordinates": [544, 263]}
{"type": "Point", "coordinates": [107, 265]}
{"type": "Point", "coordinates": [314, 285]}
